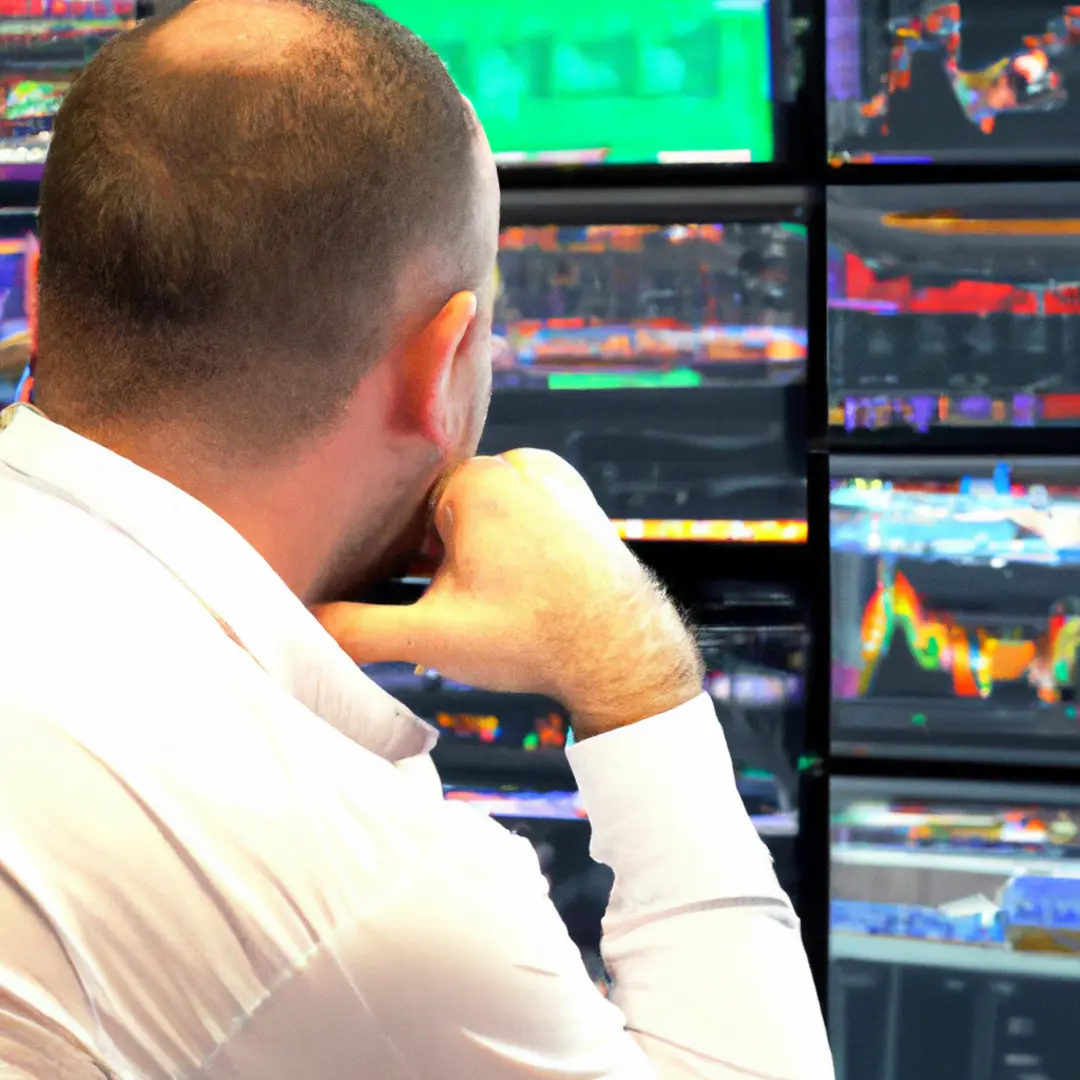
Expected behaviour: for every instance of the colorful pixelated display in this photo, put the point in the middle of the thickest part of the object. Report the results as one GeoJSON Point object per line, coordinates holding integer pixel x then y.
{"type": "Point", "coordinates": [666, 363]}
{"type": "Point", "coordinates": [18, 277]}
{"type": "Point", "coordinates": [631, 82]}
{"type": "Point", "coordinates": [955, 928]}
{"type": "Point", "coordinates": [43, 44]}
{"type": "Point", "coordinates": [954, 307]}
{"type": "Point", "coordinates": [618, 306]}
{"type": "Point", "coordinates": [982, 80]}
{"type": "Point", "coordinates": [956, 620]}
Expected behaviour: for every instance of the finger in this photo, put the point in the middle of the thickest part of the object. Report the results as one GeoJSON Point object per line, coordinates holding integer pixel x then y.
{"type": "Point", "coordinates": [377, 633]}
{"type": "Point", "coordinates": [452, 493]}
{"type": "Point", "coordinates": [527, 460]}
{"type": "Point", "coordinates": [548, 467]}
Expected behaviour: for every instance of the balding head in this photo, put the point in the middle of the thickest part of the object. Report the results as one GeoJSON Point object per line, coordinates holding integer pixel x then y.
{"type": "Point", "coordinates": [235, 198]}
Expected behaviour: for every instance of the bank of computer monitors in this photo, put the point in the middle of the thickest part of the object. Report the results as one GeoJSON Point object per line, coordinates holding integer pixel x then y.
{"type": "Point", "coordinates": [18, 276]}
{"type": "Point", "coordinates": [666, 360]}
{"type": "Point", "coordinates": [614, 82]}
{"type": "Point", "coordinates": [913, 81]}
{"type": "Point", "coordinates": [956, 608]}
{"type": "Point", "coordinates": [953, 308]}
{"type": "Point", "coordinates": [955, 930]}
{"type": "Point", "coordinates": [43, 44]}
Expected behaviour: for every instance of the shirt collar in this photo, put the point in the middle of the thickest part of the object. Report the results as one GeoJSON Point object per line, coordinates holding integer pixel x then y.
{"type": "Point", "coordinates": [222, 570]}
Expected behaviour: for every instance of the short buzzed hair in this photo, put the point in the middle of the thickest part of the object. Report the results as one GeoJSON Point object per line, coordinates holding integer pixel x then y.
{"type": "Point", "coordinates": [225, 242]}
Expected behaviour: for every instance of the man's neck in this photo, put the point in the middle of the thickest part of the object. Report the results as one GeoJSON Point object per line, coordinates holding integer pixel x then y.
{"type": "Point", "coordinates": [281, 510]}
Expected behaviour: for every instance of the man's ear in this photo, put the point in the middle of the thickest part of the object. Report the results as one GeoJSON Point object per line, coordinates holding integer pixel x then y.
{"type": "Point", "coordinates": [427, 405]}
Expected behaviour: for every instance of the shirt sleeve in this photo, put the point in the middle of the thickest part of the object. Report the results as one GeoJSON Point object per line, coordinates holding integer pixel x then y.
{"type": "Point", "coordinates": [702, 943]}
{"type": "Point", "coordinates": [470, 973]}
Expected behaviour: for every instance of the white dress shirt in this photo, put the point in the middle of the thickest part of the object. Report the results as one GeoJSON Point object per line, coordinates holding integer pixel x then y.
{"type": "Point", "coordinates": [235, 870]}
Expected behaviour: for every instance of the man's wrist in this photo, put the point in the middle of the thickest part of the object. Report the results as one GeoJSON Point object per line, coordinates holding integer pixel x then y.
{"type": "Point", "coordinates": [587, 724]}
{"type": "Point", "coordinates": [634, 699]}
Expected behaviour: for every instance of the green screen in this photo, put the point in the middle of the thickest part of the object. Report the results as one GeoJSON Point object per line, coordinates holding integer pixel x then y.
{"type": "Point", "coordinates": [617, 81]}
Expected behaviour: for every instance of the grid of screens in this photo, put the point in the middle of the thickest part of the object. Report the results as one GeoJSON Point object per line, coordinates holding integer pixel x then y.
{"type": "Point", "coordinates": [954, 307]}
{"type": "Point", "coordinates": [925, 81]}
{"type": "Point", "coordinates": [18, 268]}
{"type": "Point", "coordinates": [43, 44]}
{"type": "Point", "coordinates": [700, 331]}
{"type": "Point", "coordinates": [615, 81]}
{"type": "Point", "coordinates": [955, 931]}
{"type": "Point", "coordinates": [955, 614]}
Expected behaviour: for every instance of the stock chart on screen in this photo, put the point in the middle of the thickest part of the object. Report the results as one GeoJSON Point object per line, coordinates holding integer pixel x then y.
{"type": "Point", "coordinates": [954, 307]}
{"type": "Point", "coordinates": [43, 44]}
{"type": "Point", "coordinates": [955, 930]}
{"type": "Point", "coordinates": [18, 276]}
{"type": "Point", "coordinates": [667, 363]}
{"type": "Point", "coordinates": [979, 81]}
{"type": "Point", "coordinates": [635, 81]}
{"type": "Point", "coordinates": [956, 608]}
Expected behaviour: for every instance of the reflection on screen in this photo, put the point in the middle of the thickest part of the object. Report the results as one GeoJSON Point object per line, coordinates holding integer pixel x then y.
{"type": "Point", "coordinates": [982, 80]}
{"type": "Point", "coordinates": [633, 81]}
{"type": "Point", "coordinates": [955, 930]}
{"type": "Point", "coordinates": [43, 44]}
{"type": "Point", "coordinates": [18, 270]}
{"type": "Point", "coordinates": [616, 306]}
{"type": "Point", "coordinates": [954, 307]}
{"type": "Point", "coordinates": [956, 611]}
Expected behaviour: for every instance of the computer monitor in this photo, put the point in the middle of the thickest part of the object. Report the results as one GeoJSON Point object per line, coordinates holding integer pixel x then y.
{"type": "Point", "coordinates": [43, 44]}
{"type": "Point", "coordinates": [955, 930]}
{"type": "Point", "coordinates": [614, 82]}
{"type": "Point", "coordinates": [956, 608]}
{"type": "Point", "coordinates": [663, 355]}
{"type": "Point", "coordinates": [979, 81]}
{"type": "Point", "coordinates": [954, 307]}
{"type": "Point", "coordinates": [18, 276]}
